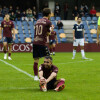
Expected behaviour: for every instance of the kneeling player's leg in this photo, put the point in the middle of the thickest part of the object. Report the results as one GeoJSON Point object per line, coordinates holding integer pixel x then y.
{"type": "Point", "coordinates": [35, 68]}
{"type": "Point", "coordinates": [5, 49]}
{"type": "Point", "coordinates": [60, 85]}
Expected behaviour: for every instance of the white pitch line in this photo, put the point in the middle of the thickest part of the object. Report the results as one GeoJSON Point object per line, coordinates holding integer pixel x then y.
{"type": "Point", "coordinates": [15, 88]}
{"type": "Point", "coordinates": [89, 59]}
{"type": "Point", "coordinates": [18, 69]}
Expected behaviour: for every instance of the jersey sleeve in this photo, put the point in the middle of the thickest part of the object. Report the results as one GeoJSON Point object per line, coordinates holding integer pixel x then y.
{"type": "Point", "coordinates": [48, 26]}
{"type": "Point", "coordinates": [55, 69]}
{"type": "Point", "coordinates": [40, 68]}
{"type": "Point", "coordinates": [74, 27]}
{"type": "Point", "coordinates": [83, 27]}
{"type": "Point", "coordinates": [1, 25]}
{"type": "Point", "coordinates": [12, 25]}
{"type": "Point", "coordinates": [99, 21]}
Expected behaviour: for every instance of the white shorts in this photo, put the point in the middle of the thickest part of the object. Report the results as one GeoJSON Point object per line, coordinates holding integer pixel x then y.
{"type": "Point", "coordinates": [77, 42]}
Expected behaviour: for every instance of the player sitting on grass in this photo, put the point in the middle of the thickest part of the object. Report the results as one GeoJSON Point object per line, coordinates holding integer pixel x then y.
{"type": "Point", "coordinates": [47, 74]}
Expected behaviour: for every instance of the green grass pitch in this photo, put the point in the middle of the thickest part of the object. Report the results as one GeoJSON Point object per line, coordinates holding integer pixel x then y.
{"type": "Point", "coordinates": [82, 78]}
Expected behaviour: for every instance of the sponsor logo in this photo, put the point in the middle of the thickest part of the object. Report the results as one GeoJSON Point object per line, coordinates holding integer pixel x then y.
{"type": "Point", "coordinates": [19, 48]}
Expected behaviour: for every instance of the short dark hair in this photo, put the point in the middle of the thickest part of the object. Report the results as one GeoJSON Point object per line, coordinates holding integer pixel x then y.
{"type": "Point", "coordinates": [48, 57]}
{"type": "Point", "coordinates": [78, 18]}
{"type": "Point", "coordinates": [46, 12]}
{"type": "Point", "coordinates": [7, 14]}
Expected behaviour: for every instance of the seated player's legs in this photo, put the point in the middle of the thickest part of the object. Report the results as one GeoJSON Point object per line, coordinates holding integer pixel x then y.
{"type": "Point", "coordinates": [60, 85]}
{"type": "Point", "coordinates": [43, 85]}
{"type": "Point", "coordinates": [57, 85]}
{"type": "Point", "coordinates": [5, 47]}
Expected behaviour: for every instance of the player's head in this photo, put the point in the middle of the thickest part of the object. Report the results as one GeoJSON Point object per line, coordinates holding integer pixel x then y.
{"type": "Point", "coordinates": [79, 20]}
{"type": "Point", "coordinates": [7, 16]}
{"type": "Point", "coordinates": [48, 61]}
{"type": "Point", "coordinates": [46, 12]}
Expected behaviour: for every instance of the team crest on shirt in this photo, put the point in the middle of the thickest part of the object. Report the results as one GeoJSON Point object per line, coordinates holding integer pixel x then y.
{"type": "Point", "coordinates": [76, 26]}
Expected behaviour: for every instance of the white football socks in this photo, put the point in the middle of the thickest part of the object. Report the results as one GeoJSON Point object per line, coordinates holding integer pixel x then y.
{"type": "Point", "coordinates": [83, 53]}
{"type": "Point", "coordinates": [74, 53]}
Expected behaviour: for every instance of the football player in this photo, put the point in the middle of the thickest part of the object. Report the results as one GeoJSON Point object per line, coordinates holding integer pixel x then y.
{"type": "Point", "coordinates": [42, 30]}
{"type": "Point", "coordinates": [78, 38]}
{"type": "Point", "coordinates": [98, 30]}
{"type": "Point", "coordinates": [52, 41]}
{"type": "Point", "coordinates": [48, 76]}
{"type": "Point", "coordinates": [7, 26]}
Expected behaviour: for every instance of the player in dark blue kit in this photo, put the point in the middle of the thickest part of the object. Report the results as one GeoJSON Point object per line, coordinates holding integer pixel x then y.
{"type": "Point", "coordinates": [78, 38]}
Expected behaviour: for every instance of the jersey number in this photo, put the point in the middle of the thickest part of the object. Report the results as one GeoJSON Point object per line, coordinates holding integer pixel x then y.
{"type": "Point", "coordinates": [39, 29]}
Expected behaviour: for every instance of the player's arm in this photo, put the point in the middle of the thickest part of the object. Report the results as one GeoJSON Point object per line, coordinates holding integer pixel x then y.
{"type": "Point", "coordinates": [98, 31]}
{"type": "Point", "coordinates": [0, 32]}
{"type": "Point", "coordinates": [56, 39]}
{"type": "Point", "coordinates": [53, 75]}
{"type": "Point", "coordinates": [83, 35]}
{"type": "Point", "coordinates": [73, 34]}
{"type": "Point", "coordinates": [47, 39]}
{"type": "Point", "coordinates": [13, 33]}
{"type": "Point", "coordinates": [40, 74]}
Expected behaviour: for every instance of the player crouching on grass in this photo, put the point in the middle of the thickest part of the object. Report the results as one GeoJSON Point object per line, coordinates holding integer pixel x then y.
{"type": "Point", "coordinates": [52, 40]}
{"type": "Point", "coordinates": [47, 74]}
{"type": "Point", "coordinates": [7, 26]}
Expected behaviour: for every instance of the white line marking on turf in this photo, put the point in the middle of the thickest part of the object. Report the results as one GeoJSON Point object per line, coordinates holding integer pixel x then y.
{"type": "Point", "coordinates": [18, 69]}
{"type": "Point", "coordinates": [15, 88]}
{"type": "Point", "coordinates": [89, 59]}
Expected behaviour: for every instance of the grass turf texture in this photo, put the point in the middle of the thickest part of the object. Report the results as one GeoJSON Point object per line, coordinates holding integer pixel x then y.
{"type": "Point", "coordinates": [82, 78]}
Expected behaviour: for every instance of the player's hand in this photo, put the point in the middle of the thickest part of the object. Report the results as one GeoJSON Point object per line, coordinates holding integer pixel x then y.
{"type": "Point", "coordinates": [98, 42]}
{"type": "Point", "coordinates": [42, 80]}
{"type": "Point", "coordinates": [57, 42]}
{"type": "Point", "coordinates": [0, 37]}
{"type": "Point", "coordinates": [14, 37]}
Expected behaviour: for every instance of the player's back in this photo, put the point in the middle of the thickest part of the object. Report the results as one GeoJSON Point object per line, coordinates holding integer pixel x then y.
{"type": "Point", "coordinates": [42, 28]}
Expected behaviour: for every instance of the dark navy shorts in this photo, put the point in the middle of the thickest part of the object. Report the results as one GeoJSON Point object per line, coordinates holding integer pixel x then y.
{"type": "Point", "coordinates": [52, 42]}
{"type": "Point", "coordinates": [40, 51]}
{"type": "Point", "coordinates": [52, 84]}
{"type": "Point", "coordinates": [8, 39]}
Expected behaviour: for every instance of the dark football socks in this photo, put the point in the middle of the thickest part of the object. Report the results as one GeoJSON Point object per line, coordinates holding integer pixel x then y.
{"type": "Point", "coordinates": [35, 67]}
{"type": "Point", "coordinates": [50, 50]}
{"type": "Point", "coordinates": [53, 49]}
{"type": "Point", "coordinates": [9, 54]}
{"type": "Point", "coordinates": [5, 51]}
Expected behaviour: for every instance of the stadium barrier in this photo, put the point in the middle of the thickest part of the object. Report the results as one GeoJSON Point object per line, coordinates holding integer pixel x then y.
{"type": "Point", "coordinates": [61, 47]}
